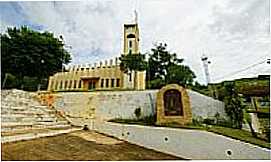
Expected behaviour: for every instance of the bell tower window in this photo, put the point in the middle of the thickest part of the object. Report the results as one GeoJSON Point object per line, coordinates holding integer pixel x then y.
{"type": "Point", "coordinates": [130, 44]}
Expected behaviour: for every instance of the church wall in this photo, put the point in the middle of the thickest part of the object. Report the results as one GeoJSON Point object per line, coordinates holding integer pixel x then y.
{"type": "Point", "coordinates": [71, 80]}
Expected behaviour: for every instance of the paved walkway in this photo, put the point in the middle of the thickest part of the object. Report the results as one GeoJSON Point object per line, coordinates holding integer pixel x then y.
{"type": "Point", "coordinates": [79, 145]}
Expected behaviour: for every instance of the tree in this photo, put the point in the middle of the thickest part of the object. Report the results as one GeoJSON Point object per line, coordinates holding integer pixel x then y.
{"type": "Point", "coordinates": [165, 67]}
{"type": "Point", "coordinates": [233, 105]}
{"type": "Point", "coordinates": [26, 52]}
{"type": "Point", "coordinates": [132, 62]}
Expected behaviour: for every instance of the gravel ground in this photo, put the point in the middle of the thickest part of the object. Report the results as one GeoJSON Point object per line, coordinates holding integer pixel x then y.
{"type": "Point", "coordinates": [79, 145]}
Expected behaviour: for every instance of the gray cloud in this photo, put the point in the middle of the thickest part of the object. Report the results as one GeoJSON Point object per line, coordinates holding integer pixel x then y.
{"type": "Point", "coordinates": [233, 33]}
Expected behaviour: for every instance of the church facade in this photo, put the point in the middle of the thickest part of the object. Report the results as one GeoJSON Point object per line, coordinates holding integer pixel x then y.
{"type": "Point", "coordinates": [106, 75]}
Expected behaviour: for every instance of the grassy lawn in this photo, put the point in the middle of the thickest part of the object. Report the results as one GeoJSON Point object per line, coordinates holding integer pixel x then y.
{"type": "Point", "coordinates": [238, 134]}
{"type": "Point", "coordinates": [241, 135]}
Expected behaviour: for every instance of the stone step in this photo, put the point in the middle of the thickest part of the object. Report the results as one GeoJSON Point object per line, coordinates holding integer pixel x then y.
{"type": "Point", "coordinates": [41, 107]}
{"type": "Point", "coordinates": [25, 108]}
{"type": "Point", "coordinates": [33, 127]}
{"type": "Point", "coordinates": [27, 114]}
{"type": "Point", "coordinates": [30, 136]}
{"type": "Point", "coordinates": [34, 130]}
{"type": "Point", "coordinates": [48, 123]}
{"type": "Point", "coordinates": [23, 118]}
{"type": "Point", "coordinates": [15, 108]}
{"type": "Point", "coordinates": [14, 124]}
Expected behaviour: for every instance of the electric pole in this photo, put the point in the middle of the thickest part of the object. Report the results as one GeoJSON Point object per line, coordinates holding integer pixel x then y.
{"type": "Point", "coordinates": [205, 61]}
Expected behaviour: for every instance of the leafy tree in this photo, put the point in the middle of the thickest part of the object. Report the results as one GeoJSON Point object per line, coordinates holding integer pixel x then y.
{"type": "Point", "coordinates": [132, 62]}
{"type": "Point", "coordinates": [233, 105]}
{"type": "Point", "coordinates": [25, 52]}
{"type": "Point", "coordinates": [165, 67]}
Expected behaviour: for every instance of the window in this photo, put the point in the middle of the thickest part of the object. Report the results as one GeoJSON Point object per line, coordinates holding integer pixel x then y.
{"type": "Point", "coordinates": [131, 36]}
{"type": "Point", "coordinates": [70, 86]}
{"type": "Point", "coordinates": [61, 84]}
{"type": "Point", "coordinates": [102, 83]}
{"type": "Point", "coordinates": [130, 77]}
{"type": "Point", "coordinates": [52, 83]}
{"type": "Point", "coordinates": [112, 82]}
{"type": "Point", "coordinates": [130, 44]}
{"type": "Point", "coordinates": [56, 84]}
{"type": "Point", "coordinates": [130, 52]}
{"type": "Point", "coordinates": [80, 84]}
{"type": "Point", "coordinates": [107, 83]}
{"type": "Point", "coordinates": [118, 83]}
{"type": "Point", "coordinates": [66, 84]}
{"type": "Point", "coordinates": [74, 84]}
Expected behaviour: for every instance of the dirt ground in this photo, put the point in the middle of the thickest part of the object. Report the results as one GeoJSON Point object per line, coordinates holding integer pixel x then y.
{"type": "Point", "coordinates": [79, 145]}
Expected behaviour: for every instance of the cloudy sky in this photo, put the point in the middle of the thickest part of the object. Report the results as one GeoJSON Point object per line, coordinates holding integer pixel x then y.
{"type": "Point", "coordinates": [234, 34]}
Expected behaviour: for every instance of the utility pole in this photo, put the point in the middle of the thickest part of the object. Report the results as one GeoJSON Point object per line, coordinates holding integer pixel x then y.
{"type": "Point", "coordinates": [205, 61]}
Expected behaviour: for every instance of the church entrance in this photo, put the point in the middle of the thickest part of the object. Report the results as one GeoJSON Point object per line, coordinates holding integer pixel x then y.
{"type": "Point", "coordinates": [90, 83]}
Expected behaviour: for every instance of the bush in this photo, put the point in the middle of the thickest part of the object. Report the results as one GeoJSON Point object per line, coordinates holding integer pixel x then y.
{"type": "Point", "coordinates": [209, 121]}
{"type": "Point", "coordinates": [138, 112]}
{"type": "Point", "coordinates": [149, 120]}
{"type": "Point", "coordinates": [224, 123]}
{"type": "Point", "coordinates": [197, 121]}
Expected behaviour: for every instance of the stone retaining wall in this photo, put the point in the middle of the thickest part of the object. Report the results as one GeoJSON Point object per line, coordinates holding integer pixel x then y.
{"type": "Point", "coordinates": [105, 105]}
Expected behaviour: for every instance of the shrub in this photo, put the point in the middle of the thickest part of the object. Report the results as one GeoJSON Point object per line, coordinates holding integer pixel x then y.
{"type": "Point", "coordinates": [138, 112]}
{"type": "Point", "coordinates": [197, 121]}
{"type": "Point", "coordinates": [149, 120]}
{"type": "Point", "coordinates": [209, 121]}
{"type": "Point", "coordinates": [233, 105]}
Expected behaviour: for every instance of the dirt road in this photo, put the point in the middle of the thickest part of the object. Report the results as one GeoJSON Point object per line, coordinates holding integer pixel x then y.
{"type": "Point", "coordinates": [80, 145]}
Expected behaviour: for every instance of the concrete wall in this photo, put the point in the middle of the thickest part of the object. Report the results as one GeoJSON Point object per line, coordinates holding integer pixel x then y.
{"type": "Point", "coordinates": [205, 106]}
{"type": "Point", "coordinates": [190, 144]}
{"type": "Point", "coordinates": [81, 107]}
{"type": "Point", "coordinates": [122, 104]}
{"type": "Point", "coordinates": [110, 105]}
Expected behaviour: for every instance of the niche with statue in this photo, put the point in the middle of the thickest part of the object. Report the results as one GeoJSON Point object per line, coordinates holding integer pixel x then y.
{"type": "Point", "coordinates": [173, 105]}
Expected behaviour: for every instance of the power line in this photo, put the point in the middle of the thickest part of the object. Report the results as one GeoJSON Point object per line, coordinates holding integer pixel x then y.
{"type": "Point", "coordinates": [236, 72]}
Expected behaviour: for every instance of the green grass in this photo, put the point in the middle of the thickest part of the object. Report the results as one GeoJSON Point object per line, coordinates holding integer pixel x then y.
{"type": "Point", "coordinates": [238, 134]}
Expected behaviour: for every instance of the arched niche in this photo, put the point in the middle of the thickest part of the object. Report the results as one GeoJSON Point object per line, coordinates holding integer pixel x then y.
{"type": "Point", "coordinates": [173, 105]}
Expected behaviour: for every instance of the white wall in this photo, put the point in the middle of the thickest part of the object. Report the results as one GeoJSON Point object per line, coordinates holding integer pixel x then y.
{"type": "Point", "coordinates": [110, 105]}
{"type": "Point", "coordinates": [189, 144]}
{"type": "Point", "coordinates": [205, 106]}
{"type": "Point", "coordinates": [122, 104]}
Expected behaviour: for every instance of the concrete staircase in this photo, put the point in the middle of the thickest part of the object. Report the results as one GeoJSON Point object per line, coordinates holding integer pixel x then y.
{"type": "Point", "coordinates": [23, 117]}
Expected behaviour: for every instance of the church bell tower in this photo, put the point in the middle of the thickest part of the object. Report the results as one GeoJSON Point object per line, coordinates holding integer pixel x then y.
{"type": "Point", "coordinates": [131, 38]}
{"type": "Point", "coordinates": [132, 79]}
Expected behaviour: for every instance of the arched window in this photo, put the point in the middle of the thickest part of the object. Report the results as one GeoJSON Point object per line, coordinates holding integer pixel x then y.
{"type": "Point", "coordinates": [130, 36]}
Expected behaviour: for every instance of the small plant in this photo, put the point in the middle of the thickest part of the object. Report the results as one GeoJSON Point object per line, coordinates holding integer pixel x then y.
{"type": "Point", "coordinates": [138, 112]}
{"type": "Point", "coordinates": [85, 127]}
{"type": "Point", "coordinates": [209, 121]}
